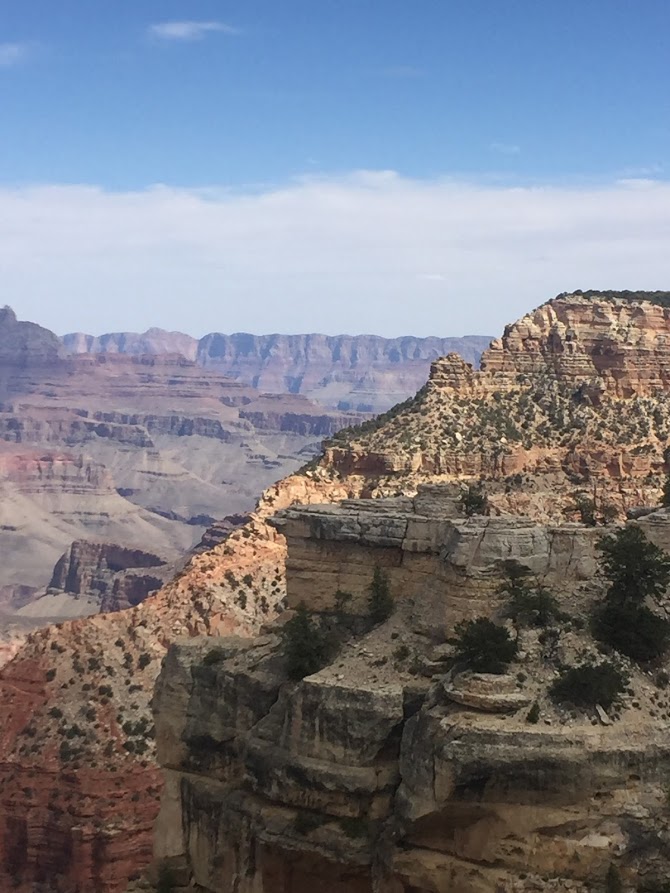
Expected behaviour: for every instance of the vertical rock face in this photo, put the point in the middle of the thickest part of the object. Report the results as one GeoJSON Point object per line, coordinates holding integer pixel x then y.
{"type": "Point", "coordinates": [626, 344]}
{"type": "Point", "coordinates": [389, 770]}
{"type": "Point", "coordinates": [574, 397]}
{"type": "Point", "coordinates": [358, 372]}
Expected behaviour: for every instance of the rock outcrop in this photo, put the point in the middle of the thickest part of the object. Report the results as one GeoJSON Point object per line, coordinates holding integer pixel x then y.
{"type": "Point", "coordinates": [347, 372]}
{"type": "Point", "coordinates": [321, 766]}
{"type": "Point", "coordinates": [574, 398]}
{"type": "Point", "coordinates": [133, 449]}
{"type": "Point", "coordinates": [385, 770]}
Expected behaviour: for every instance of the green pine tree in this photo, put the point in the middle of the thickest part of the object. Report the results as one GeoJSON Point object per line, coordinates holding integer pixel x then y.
{"type": "Point", "coordinates": [380, 600]}
{"type": "Point", "coordinates": [304, 644]}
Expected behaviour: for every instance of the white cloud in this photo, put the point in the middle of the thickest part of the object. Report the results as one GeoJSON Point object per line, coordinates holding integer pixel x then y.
{"type": "Point", "coordinates": [358, 253]}
{"type": "Point", "coordinates": [505, 148]}
{"type": "Point", "coordinates": [189, 30]}
{"type": "Point", "coordinates": [12, 54]}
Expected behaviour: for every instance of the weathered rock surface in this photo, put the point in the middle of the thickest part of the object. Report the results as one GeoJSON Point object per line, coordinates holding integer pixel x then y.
{"type": "Point", "coordinates": [238, 586]}
{"type": "Point", "coordinates": [359, 372]}
{"type": "Point", "coordinates": [574, 397]}
{"type": "Point", "coordinates": [131, 449]}
{"type": "Point", "coordinates": [369, 776]}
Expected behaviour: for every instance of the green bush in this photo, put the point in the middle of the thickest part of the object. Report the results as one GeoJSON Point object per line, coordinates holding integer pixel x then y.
{"type": "Point", "coordinates": [635, 567]}
{"type": "Point", "coordinates": [589, 684]}
{"type": "Point", "coordinates": [586, 509]}
{"type": "Point", "coordinates": [533, 607]}
{"type": "Point", "coordinates": [474, 501]}
{"type": "Point", "coordinates": [632, 629]}
{"type": "Point", "coordinates": [483, 646]}
{"type": "Point", "coordinates": [305, 645]}
{"type": "Point", "coordinates": [534, 713]}
{"type": "Point", "coordinates": [380, 600]}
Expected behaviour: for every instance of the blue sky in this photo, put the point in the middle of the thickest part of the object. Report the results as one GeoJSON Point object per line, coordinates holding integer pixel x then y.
{"type": "Point", "coordinates": [232, 107]}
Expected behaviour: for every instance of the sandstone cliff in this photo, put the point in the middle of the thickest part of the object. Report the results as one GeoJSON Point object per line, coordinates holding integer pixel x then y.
{"type": "Point", "coordinates": [134, 449]}
{"type": "Point", "coordinates": [239, 585]}
{"type": "Point", "coordinates": [574, 397]}
{"type": "Point", "coordinates": [384, 771]}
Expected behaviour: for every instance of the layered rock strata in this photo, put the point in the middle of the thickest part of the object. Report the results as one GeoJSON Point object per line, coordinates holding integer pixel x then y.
{"type": "Point", "coordinates": [384, 771]}
{"type": "Point", "coordinates": [358, 372]}
{"type": "Point", "coordinates": [574, 397]}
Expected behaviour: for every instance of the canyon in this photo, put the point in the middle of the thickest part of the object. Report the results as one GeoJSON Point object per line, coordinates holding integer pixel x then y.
{"type": "Point", "coordinates": [365, 373]}
{"type": "Point", "coordinates": [361, 780]}
{"type": "Point", "coordinates": [386, 769]}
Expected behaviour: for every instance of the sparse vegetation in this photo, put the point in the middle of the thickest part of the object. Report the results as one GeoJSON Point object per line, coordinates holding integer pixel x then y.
{"type": "Point", "coordinates": [637, 570]}
{"type": "Point", "coordinates": [474, 501]}
{"type": "Point", "coordinates": [533, 714]}
{"type": "Point", "coordinates": [483, 646]}
{"type": "Point", "coordinates": [380, 600]}
{"type": "Point", "coordinates": [528, 604]}
{"type": "Point", "coordinates": [585, 507]}
{"type": "Point", "coordinates": [305, 644]}
{"type": "Point", "coordinates": [590, 684]}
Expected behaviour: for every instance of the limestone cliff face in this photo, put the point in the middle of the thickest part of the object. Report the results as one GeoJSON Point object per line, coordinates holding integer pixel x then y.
{"type": "Point", "coordinates": [575, 396]}
{"type": "Point", "coordinates": [385, 771]}
{"type": "Point", "coordinates": [357, 372]}
{"type": "Point", "coordinates": [77, 732]}
{"type": "Point", "coordinates": [625, 345]}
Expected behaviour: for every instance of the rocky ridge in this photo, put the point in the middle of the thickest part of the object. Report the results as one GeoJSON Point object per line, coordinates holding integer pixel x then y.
{"type": "Point", "coordinates": [384, 771]}
{"type": "Point", "coordinates": [574, 397]}
{"type": "Point", "coordinates": [219, 592]}
{"type": "Point", "coordinates": [347, 372]}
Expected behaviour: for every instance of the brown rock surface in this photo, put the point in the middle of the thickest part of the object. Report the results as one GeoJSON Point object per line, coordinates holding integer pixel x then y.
{"type": "Point", "coordinates": [131, 449]}
{"type": "Point", "coordinates": [574, 397]}
{"type": "Point", "coordinates": [388, 771]}
{"type": "Point", "coordinates": [363, 372]}
{"type": "Point", "coordinates": [239, 584]}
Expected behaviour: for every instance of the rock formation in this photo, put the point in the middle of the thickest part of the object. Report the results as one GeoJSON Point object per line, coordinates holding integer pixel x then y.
{"type": "Point", "coordinates": [307, 759]}
{"type": "Point", "coordinates": [131, 449]}
{"type": "Point", "coordinates": [574, 398]}
{"type": "Point", "coordinates": [359, 372]}
{"type": "Point", "coordinates": [382, 771]}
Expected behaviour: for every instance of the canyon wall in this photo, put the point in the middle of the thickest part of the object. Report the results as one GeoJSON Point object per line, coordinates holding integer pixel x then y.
{"type": "Point", "coordinates": [358, 372]}
{"type": "Point", "coordinates": [385, 770]}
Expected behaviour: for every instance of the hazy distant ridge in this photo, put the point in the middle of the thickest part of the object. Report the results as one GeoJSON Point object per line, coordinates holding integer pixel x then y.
{"type": "Point", "coordinates": [350, 371]}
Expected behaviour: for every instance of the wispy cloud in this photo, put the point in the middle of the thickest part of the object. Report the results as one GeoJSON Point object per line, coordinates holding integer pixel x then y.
{"type": "Point", "coordinates": [402, 72]}
{"type": "Point", "coordinates": [505, 148]}
{"type": "Point", "coordinates": [12, 54]}
{"type": "Point", "coordinates": [371, 245]}
{"type": "Point", "coordinates": [189, 30]}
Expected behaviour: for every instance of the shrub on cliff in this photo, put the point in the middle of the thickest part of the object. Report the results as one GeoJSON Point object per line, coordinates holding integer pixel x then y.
{"type": "Point", "coordinates": [636, 569]}
{"type": "Point", "coordinates": [380, 600]}
{"type": "Point", "coordinates": [483, 646]}
{"type": "Point", "coordinates": [665, 495]}
{"type": "Point", "coordinates": [634, 630]}
{"type": "Point", "coordinates": [474, 501]}
{"type": "Point", "coordinates": [589, 684]}
{"type": "Point", "coordinates": [305, 645]}
{"type": "Point", "coordinates": [634, 566]}
{"type": "Point", "coordinates": [527, 604]}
